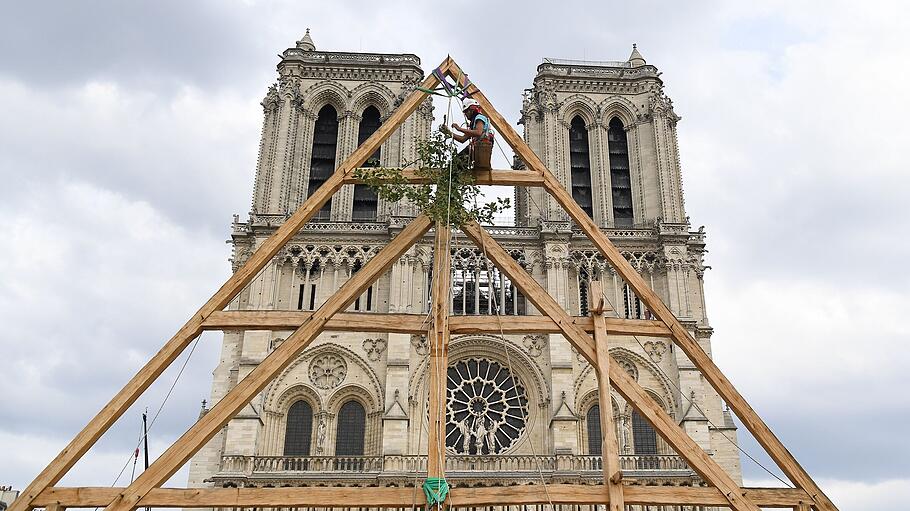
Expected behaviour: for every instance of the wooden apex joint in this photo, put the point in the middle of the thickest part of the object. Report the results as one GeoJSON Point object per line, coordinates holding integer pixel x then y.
{"type": "Point", "coordinates": [616, 478]}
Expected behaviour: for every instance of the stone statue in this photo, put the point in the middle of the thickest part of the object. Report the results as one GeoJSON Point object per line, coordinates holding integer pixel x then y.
{"type": "Point", "coordinates": [480, 432]}
{"type": "Point", "coordinates": [465, 431]}
{"type": "Point", "coordinates": [491, 437]}
{"type": "Point", "coordinates": [320, 435]}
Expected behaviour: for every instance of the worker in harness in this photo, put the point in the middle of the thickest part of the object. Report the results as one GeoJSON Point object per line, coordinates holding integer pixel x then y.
{"type": "Point", "coordinates": [479, 132]}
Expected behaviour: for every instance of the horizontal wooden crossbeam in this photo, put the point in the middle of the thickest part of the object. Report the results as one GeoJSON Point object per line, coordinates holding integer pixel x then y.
{"type": "Point", "coordinates": [403, 496]}
{"type": "Point", "coordinates": [418, 323]}
{"type": "Point", "coordinates": [481, 177]}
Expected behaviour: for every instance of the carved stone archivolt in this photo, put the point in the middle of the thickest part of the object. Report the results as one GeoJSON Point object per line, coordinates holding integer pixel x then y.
{"type": "Point", "coordinates": [328, 371]}
{"type": "Point", "coordinates": [640, 368]}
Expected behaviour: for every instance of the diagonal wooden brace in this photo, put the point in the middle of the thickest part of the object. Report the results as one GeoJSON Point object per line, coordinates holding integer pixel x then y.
{"type": "Point", "coordinates": [207, 426]}
{"type": "Point", "coordinates": [772, 445]}
{"type": "Point", "coordinates": [86, 438]}
{"type": "Point", "coordinates": [624, 384]}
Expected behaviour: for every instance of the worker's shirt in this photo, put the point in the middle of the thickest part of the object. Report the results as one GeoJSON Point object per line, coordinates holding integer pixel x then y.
{"type": "Point", "coordinates": [487, 132]}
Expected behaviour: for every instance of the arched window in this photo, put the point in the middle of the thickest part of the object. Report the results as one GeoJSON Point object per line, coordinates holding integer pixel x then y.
{"type": "Point", "coordinates": [580, 162]}
{"type": "Point", "coordinates": [365, 199]}
{"type": "Point", "coordinates": [299, 430]}
{"type": "Point", "coordinates": [322, 161]}
{"type": "Point", "coordinates": [644, 438]}
{"type": "Point", "coordinates": [351, 429]}
{"type": "Point", "coordinates": [595, 435]}
{"type": "Point", "coordinates": [619, 174]}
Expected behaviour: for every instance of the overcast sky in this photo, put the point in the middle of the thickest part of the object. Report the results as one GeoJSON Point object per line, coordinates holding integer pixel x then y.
{"type": "Point", "coordinates": [128, 138]}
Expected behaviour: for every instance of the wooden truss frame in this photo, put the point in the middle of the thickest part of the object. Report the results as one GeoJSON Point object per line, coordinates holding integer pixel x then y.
{"type": "Point", "coordinates": [146, 489]}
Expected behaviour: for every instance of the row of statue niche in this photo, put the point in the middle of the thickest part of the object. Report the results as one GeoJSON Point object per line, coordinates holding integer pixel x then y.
{"type": "Point", "coordinates": [483, 432]}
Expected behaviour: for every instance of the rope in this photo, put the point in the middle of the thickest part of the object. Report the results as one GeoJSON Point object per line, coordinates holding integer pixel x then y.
{"type": "Point", "coordinates": [512, 370]}
{"type": "Point", "coordinates": [666, 377]}
{"type": "Point", "coordinates": [163, 402]}
{"type": "Point", "coordinates": [693, 403]}
{"type": "Point", "coordinates": [436, 489]}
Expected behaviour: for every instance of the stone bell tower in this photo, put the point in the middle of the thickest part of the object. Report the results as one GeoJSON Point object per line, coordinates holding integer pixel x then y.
{"type": "Point", "coordinates": [608, 132]}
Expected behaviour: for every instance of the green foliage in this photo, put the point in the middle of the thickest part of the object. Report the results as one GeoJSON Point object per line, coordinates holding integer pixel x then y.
{"type": "Point", "coordinates": [445, 196]}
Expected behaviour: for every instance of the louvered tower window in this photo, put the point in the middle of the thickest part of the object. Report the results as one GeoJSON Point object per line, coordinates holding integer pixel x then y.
{"type": "Point", "coordinates": [595, 436]}
{"type": "Point", "coordinates": [350, 431]}
{"type": "Point", "coordinates": [299, 430]}
{"type": "Point", "coordinates": [580, 162]}
{"type": "Point", "coordinates": [322, 161]}
{"type": "Point", "coordinates": [643, 436]}
{"type": "Point", "coordinates": [365, 199]}
{"type": "Point", "coordinates": [619, 174]}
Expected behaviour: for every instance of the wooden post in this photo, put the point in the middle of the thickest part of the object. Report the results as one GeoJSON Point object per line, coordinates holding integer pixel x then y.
{"type": "Point", "coordinates": [762, 433]}
{"type": "Point", "coordinates": [609, 445]}
{"type": "Point", "coordinates": [439, 352]}
{"type": "Point", "coordinates": [625, 385]}
{"type": "Point", "coordinates": [206, 427]}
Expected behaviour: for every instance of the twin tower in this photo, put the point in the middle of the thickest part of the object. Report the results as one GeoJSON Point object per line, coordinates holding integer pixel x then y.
{"type": "Point", "coordinates": [352, 409]}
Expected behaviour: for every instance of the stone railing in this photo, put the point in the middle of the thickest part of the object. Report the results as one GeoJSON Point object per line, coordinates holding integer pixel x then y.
{"type": "Point", "coordinates": [503, 465]}
{"type": "Point", "coordinates": [324, 57]}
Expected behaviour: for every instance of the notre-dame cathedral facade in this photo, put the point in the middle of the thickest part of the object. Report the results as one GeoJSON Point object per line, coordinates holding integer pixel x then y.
{"type": "Point", "coordinates": [351, 410]}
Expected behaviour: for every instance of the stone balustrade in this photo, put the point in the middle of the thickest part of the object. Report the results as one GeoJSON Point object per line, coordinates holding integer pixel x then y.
{"type": "Point", "coordinates": [502, 465]}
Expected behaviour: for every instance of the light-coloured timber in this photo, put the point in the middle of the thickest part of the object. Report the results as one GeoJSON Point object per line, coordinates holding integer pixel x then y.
{"type": "Point", "coordinates": [624, 384]}
{"type": "Point", "coordinates": [609, 444]}
{"type": "Point", "coordinates": [418, 324]}
{"type": "Point", "coordinates": [341, 322]}
{"type": "Point", "coordinates": [772, 445]}
{"type": "Point", "coordinates": [145, 492]}
{"type": "Point", "coordinates": [439, 352]}
{"type": "Point", "coordinates": [505, 177]}
{"type": "Point", "coordinates": [388, 497]}
{"type": "Point", "coordinates": [238, 397]}
{"type": "Point", "coordinates": [86, 438]}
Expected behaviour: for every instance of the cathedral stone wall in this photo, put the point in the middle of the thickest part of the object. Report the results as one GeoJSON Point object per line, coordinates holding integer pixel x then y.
{"type": "Point", "coordinates": [520, 405]}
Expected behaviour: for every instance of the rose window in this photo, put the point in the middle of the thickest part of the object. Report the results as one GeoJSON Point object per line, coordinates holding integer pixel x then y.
{"type": "Point", "coordinates": [328, 371]}
{"type": "Point", "coordinates": [486, 408]}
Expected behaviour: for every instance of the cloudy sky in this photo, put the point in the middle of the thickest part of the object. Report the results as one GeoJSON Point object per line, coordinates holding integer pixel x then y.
{"type": "Point", "coordinates": [128, 138]}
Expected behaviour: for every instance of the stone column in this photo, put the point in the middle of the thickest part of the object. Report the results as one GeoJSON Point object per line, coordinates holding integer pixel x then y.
{"type": "Point", "coordinates": [563, 427]}
{"type": "Point", "coordinates": [343, 201]}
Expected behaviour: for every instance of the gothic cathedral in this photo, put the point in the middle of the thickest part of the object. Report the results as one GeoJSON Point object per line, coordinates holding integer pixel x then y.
{"type": "Point", "coordinates": [351, 410]}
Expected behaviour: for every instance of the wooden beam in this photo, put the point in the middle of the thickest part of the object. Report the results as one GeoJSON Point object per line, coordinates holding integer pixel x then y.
{"type": "Point", "coordinates": [609, 445]}
{"type": "Point", "coordinates": [341, 322]}
{"type": "Point", "coordinates": [86, 438]}
{"type": "Point", "coordinates": [624, 384]}
{"type": "Point", "coordinates": [390, 497]}
{"type": "Point", "coordinates": [209, 424]}
{"type": "Point", "coordinates": [762, 433]}
{"type": "Point", "coordinates": [417, 323]}
{"type": "Point", "coordinates": [505, 177]}
{"type": "Point", "coordinates": [439, 351]}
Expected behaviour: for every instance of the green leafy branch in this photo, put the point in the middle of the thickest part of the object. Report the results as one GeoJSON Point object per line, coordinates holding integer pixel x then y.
{"type": "Point", "coordinates": [447, 197]}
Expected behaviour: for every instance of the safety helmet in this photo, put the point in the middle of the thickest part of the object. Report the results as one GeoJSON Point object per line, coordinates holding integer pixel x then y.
{"type": "Point", "coordinates": [468, 103]}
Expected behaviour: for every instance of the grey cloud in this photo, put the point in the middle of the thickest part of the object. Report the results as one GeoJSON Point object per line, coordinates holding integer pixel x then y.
{"type": "Point", "coordinates": [131, 99]}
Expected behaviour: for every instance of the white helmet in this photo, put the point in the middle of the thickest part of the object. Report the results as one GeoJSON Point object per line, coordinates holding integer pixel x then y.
{"type": "Point", "coordinates": [468, 103]}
